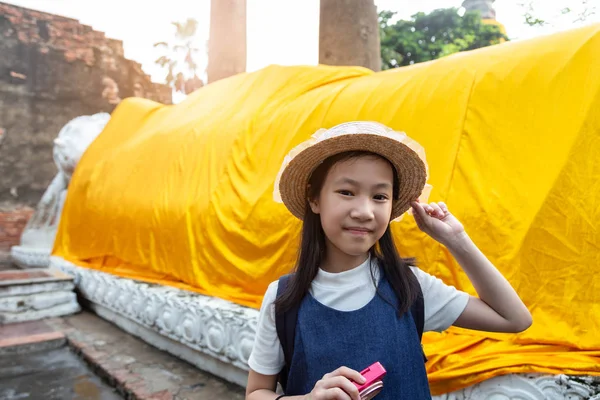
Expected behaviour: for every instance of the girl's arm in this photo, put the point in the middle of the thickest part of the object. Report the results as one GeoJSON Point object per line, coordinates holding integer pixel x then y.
{"type": "Point", "coordinates": [334, 385]}
{"type": "Point", "coordinates": [261, 387]}
{"type": "Point", "coordinates": [498, 308]}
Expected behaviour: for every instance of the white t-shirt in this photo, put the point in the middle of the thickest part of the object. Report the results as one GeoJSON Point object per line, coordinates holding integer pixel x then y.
{"type": "Point", "coordinates": [349, 291]}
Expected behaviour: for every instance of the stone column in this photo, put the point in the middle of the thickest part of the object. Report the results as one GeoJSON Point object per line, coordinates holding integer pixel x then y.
{"type": "Point", "coordinates": [349, 33]}
{"type": "Point", "coordinates": [485, 7]}
{"type": "Point", "coordinates": [227, 41]}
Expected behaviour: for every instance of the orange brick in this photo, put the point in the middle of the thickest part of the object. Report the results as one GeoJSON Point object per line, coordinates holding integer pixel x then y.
{"type": "Point", "coordinates": [30, 339]}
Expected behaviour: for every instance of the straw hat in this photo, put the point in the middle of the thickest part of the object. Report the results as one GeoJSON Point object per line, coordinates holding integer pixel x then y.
{"type": "Point", "coordinates": [405, 154]}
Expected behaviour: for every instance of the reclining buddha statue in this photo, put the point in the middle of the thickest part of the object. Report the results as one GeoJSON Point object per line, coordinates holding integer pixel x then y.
{"type": "Point", "coordinates": [170, 226]}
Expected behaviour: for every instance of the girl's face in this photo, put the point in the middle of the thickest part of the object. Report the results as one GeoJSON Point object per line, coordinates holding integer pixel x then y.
{"type": "Point", "coordinates": [355, 205]}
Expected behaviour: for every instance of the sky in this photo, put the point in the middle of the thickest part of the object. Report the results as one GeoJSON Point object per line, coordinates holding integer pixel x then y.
{"type": "Point", "coordinates": [282, 32]}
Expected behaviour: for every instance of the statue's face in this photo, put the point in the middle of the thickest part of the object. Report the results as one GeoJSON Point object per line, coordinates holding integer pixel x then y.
{"type": "Point", "coordinates": [74, 138]}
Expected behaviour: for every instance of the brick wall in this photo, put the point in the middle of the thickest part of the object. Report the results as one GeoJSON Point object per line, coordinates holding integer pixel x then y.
{"type": "Point", "coordinates": [58, 32]}
{"type": "Point", "coordinates": [77, 42]}
{"type": "Point", "coordinates": [52, 69]}
{"type": "Point", "coordinates": [12, 223]}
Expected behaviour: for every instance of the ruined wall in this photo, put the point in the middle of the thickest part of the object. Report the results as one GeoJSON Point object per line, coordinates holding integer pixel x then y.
{"type": "Point", "coordinates": [52, 69]}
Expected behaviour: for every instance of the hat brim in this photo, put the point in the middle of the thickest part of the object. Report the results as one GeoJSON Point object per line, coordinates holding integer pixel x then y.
{"type": "Point", "coordinates": [411, 170]}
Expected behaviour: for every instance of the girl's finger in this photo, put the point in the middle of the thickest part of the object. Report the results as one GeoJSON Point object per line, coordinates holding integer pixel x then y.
{"type": "Point", "coordinates": [338, 394]}
{"type": "Point", "coordinates": [437, 211]}
{"type": "Point", "coordinates": [443, 206]}
{"type": "Point", "coordinates": [419, 209]}
{"type": "Point", "coordinates": [346, 372]}
{"type": "Point", "coordinates": [342, 383]}
{"type": "Point", "coordinates": [418, 220]}
{"type": "Point", "coordinates": [420, 216]}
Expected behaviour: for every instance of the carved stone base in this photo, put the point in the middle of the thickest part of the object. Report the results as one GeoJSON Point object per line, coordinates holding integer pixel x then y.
{"type": "Point", "coordinates": [213, 334]}
{"type": "Point", "coordinates": [28, 257]}
{"type": "Point", "coordinates": [201, 360]}
{"type": "Point", "coordinates": [530, 387]}
{"type": "Point", "coordinates": [217, 336]}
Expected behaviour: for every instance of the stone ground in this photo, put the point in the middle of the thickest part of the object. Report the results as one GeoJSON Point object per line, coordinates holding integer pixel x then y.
{"type": "Point", "coordinates": [139, 370]}
{"type": "Point", "coordinates": [85, 357]}
{"type": "Point", "coordinates": [54, 374]}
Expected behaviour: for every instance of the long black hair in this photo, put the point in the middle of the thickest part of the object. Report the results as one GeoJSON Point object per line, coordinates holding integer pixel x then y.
{"type": "Point", "coordinates": [313, 249]}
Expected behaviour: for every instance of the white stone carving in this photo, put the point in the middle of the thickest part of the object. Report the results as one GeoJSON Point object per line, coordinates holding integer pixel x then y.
{"type": "Point", "coordinates": [39, 233]}
{"type": "Point", "coordinates": [530, 387]}
{"type": "Point", "coordinates": [74, 139]}
{"type": "Point", "coordinates": [35, 294]}
{"type": "Point", "coordinates": [217, 335]}
{"type": "Point", "coordinates": [30, 257]}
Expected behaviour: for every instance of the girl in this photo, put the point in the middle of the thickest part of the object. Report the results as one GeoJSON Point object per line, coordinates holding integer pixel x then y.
{"type": "Point", "coordinates": [353, 290]}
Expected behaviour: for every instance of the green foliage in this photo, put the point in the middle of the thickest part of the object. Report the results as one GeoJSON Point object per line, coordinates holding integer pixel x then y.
{"type": "Point", "coordinates": [529, 14]}
{"type": "Point", "coordinates": [578, 11]}
{"type": "Point", "coordinates": [429, 36]}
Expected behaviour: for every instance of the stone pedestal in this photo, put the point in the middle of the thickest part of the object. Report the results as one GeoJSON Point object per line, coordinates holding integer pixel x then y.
{"type": "Point", "coordinates": [33, 294]}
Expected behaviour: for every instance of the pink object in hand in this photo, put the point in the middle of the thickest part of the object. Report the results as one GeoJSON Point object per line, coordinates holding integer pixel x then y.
{"type": "Point", "coordinates": [373, 385]}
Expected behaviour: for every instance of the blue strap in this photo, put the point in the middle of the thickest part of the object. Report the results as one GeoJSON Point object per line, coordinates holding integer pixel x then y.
{"type": "Point", "coordinates": [417, 310]}
{"type": "Point", "coordinates": [285, 323]}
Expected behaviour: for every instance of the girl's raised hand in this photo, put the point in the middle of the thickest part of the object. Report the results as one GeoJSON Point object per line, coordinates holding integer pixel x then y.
{"type": "Point", "coordinates": [337, 385]}
{"type": "Point", "coordinates": [435, 220]}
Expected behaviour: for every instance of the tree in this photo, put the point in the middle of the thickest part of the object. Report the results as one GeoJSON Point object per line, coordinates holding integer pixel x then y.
{"type": "Point", "coordinates": [182, 76]}
{"type": "Point", "coordinates": [577, 12]}
{"type": "Point", "coordinates": [429, 36]}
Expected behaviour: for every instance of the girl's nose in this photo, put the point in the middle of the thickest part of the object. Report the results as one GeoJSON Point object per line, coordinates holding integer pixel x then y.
{"type": "Point", "coordinates": [362, 210]}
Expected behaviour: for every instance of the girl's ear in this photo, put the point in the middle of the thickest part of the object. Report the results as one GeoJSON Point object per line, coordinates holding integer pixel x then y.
{"type": "Point", "coordinates": [313, 203]}
{"type": "Point", "coordinates": [314, 206]}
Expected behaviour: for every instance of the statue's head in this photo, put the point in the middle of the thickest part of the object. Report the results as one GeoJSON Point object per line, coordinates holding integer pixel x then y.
{"type": "Point", "coordinates": [74, 138]}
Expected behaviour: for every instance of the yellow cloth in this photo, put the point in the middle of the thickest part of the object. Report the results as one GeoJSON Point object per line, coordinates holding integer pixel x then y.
{"type": "Point", "coordinates": [182, 195]}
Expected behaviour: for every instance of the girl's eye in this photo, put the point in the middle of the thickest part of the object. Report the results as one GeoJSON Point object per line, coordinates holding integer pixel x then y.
{"type": "Point", "coordinates": [345, 192]}
{"type": "Point", "coordinates": [381, 197]}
